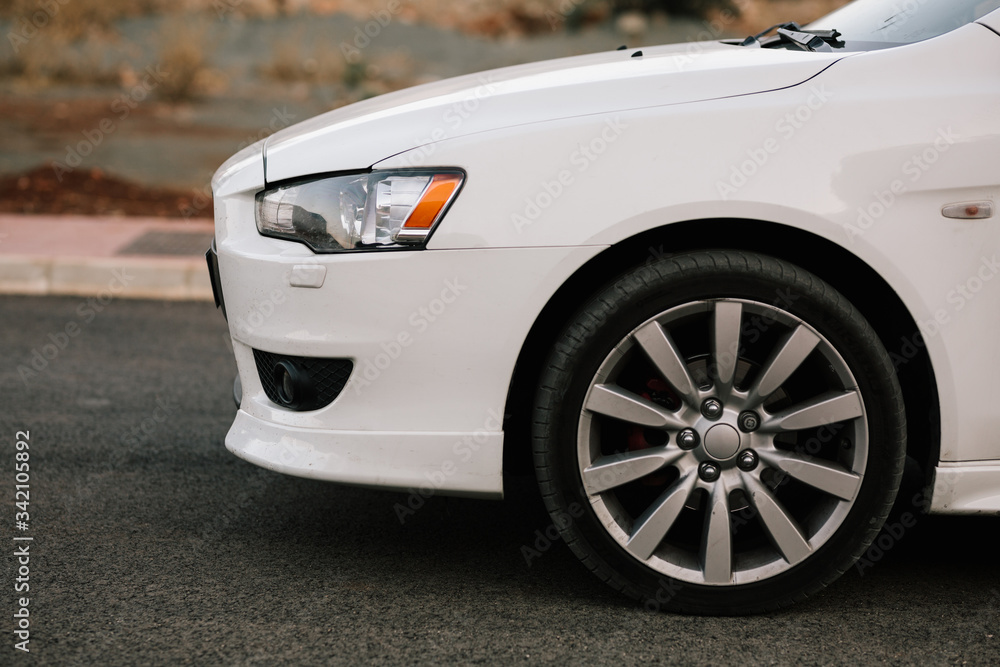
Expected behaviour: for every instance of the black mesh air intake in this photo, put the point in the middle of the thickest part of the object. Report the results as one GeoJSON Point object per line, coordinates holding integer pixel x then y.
{"type": "Point", "coordinates": [322, 380]}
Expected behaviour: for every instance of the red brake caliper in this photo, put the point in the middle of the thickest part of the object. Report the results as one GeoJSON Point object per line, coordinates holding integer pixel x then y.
{"type": "Point", "coordinates": [660, 393]}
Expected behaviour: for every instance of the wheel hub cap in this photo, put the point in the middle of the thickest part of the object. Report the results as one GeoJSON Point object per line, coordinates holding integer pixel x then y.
{"type": "Point", "coordinates": [722, 442]}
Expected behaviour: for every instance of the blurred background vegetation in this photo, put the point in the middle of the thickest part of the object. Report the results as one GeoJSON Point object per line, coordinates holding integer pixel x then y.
{"type": "Point", "coordinates": [157, 93]}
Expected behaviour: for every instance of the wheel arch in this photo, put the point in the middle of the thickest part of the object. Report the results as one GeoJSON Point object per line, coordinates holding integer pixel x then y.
{"type": "Point", "coordinates": [850, 275]}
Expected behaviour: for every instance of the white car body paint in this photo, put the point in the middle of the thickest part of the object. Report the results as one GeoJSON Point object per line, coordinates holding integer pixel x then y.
{"type": "Point", "coordinates": [567, 158]}
{"type": "Point", "coordinates": [359, 135]}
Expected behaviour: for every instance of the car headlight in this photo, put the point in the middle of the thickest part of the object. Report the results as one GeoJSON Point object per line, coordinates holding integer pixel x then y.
{"type": "Point", "coordinates": [380, 209]}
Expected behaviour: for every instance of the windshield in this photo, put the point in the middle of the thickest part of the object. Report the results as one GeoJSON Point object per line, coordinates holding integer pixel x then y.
{"type": "Point", "coordinates": [894, 22]}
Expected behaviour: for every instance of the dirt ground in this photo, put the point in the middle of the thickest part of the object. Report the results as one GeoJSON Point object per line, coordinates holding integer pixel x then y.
{"type": "Point", "coordinates": [90, 192]}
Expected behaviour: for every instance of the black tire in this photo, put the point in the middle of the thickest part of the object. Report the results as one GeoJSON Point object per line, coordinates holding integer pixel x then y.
{"type": "Point", "coordinates": [837, 530]}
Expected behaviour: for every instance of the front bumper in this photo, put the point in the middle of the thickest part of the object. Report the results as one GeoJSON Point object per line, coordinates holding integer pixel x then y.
{"type": "Point", "coordinates": [433, 335]}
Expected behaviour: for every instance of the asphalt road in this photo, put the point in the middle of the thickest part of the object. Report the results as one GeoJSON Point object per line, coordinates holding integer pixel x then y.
{"type": "Point", "coordinates": [155, 545]}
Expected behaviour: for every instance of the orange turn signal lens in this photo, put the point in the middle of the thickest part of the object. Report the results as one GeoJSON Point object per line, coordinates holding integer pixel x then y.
{"type": "Point", "coordinates": [435, 197]}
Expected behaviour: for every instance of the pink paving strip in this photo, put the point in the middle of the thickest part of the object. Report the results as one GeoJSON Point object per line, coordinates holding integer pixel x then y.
{"type": "Point", "coordinates": [81, 236]}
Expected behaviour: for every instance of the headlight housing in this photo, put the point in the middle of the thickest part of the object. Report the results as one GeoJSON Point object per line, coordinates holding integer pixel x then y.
{"type": "Point", "coordinates": [378, 209]}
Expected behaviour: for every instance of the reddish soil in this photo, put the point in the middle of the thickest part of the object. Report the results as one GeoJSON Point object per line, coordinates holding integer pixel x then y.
{"type": "Point", "coordinates": [92, 192]}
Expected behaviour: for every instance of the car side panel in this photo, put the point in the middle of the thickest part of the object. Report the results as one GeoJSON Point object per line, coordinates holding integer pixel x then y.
{"type": "Point", "coordinates": [816, 156]}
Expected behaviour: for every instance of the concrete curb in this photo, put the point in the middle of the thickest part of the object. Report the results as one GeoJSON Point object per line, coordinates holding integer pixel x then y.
{"type": "Point", "coordinates": [89, 256]}
{"type": "Point", "coordinates": [174, 278]}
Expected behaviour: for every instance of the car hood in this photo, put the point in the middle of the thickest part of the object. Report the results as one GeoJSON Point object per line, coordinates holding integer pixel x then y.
{"type": "Point", "coordinates": [362, 134]}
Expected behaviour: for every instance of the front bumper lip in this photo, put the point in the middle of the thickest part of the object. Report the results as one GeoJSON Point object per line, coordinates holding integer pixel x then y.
{"type": "Point", "coordinates": [420, 462]}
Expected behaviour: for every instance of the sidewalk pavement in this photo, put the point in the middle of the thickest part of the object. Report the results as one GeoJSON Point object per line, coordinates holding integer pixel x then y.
{"type": "Point", "coordinates": [145, 258]}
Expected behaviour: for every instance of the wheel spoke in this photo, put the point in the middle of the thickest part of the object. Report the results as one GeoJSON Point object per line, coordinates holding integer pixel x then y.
{"type": "Point", "coordinates": [827, 477]}
{"type": "Point", "coordinates": [785, 360]}
{"type": "Point", "coordinates": [717, 541]}
{"type": "Point", "coordinates": [780, 526]}
{"type": "Point", "coordinates": [654, 524]}
{"type": "Point", "coordinates": [612, 401]}
{"type": "Point", "coordinates": [827, 409]}
{"type": "Point", "coordinates": [607, 472]}
{"type": "Point", "coordinates": [661, 350]}
{"type": "Point", "coordinates": [726, 322]}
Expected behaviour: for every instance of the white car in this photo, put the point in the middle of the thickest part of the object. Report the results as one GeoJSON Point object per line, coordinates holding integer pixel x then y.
{"type": "Point", "coordinates": [715, 294]}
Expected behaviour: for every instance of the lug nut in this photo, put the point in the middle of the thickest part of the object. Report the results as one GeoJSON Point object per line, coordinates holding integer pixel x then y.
{"type": "Point", "coordinates": [711, 408]}
{"type": "Point", "coordinates": [708, 471]}
{"type": "Point", "coordinates": [747, 460]}
{"type": "Point", "coordinates": [688, 439]}
{"type": "Point", "coordinates": [749, 421]}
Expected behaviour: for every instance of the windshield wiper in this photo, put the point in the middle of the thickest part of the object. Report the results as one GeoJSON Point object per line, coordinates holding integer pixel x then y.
{"type": "Point", "coordinates": [791, 32]}
{"type": "Point", "coordinates": [754, 40]}
{"type": "Point", "coordinates": [811, 40]}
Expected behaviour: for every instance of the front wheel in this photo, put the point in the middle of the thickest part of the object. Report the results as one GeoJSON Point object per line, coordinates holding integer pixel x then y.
{"type": "Point", "coordinates": [727, 428]}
